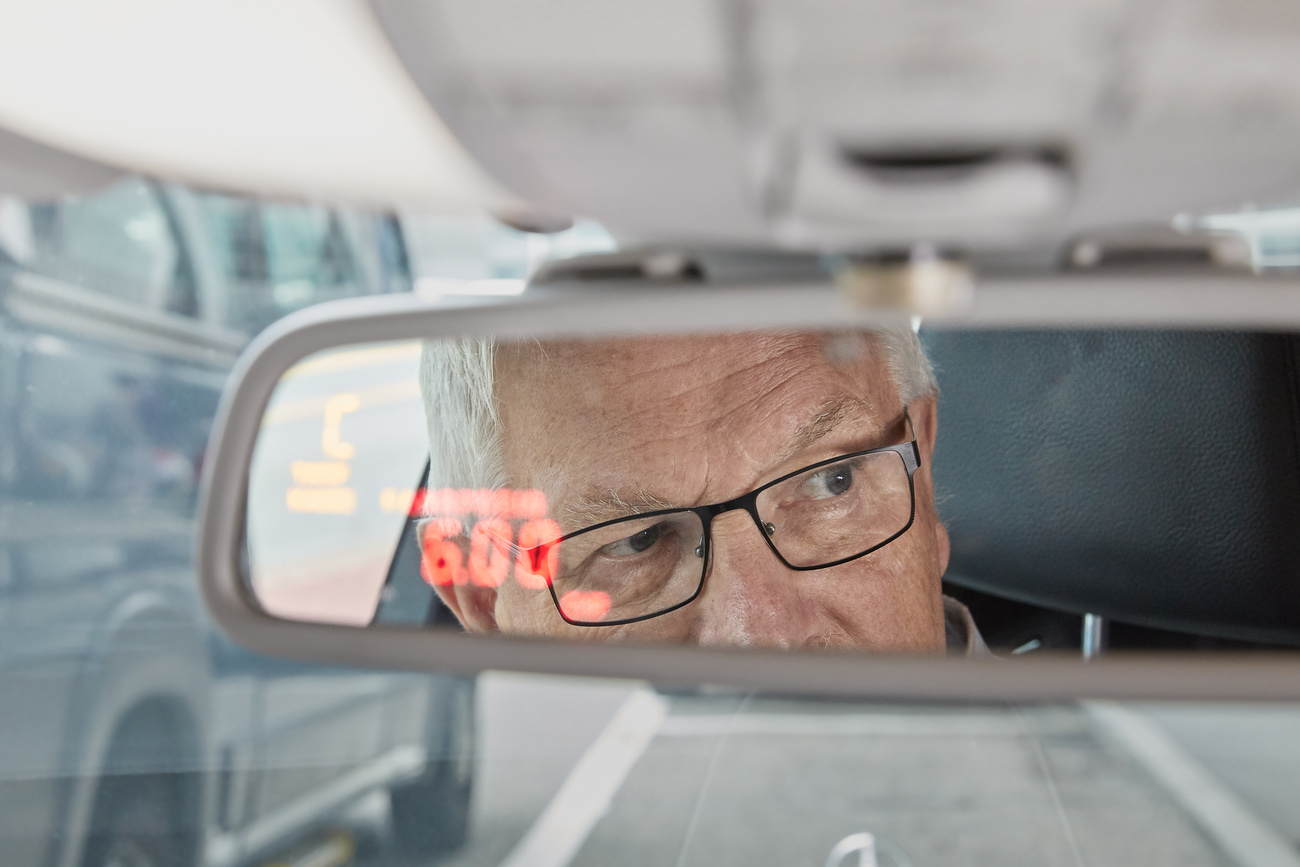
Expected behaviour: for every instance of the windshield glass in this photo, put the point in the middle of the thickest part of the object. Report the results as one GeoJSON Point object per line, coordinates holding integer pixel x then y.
{"type": "Point", "coordinates": [135, 733]}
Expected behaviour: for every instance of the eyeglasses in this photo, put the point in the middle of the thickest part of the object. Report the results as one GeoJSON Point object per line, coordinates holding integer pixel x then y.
{"type": "Point", "coordinates": [645, 565]}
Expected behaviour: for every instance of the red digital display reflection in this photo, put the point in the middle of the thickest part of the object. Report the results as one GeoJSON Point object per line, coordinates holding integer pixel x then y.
{"type": "Point", "coordinates": [502, 502]}
{"type": "Point", "coordinates": [588, 606]}
{"type": "Point", "coordinates": [511, 532]}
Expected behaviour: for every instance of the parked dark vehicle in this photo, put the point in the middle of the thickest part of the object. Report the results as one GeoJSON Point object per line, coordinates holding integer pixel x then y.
{"type": "Point", "coordinates": [134, 733]}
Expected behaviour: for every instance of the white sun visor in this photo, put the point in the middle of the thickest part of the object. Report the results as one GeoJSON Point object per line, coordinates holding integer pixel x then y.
{"type": "Point", "coordinates": [295, 98]}
{"type": "Point", "coordinates": [860, 124]}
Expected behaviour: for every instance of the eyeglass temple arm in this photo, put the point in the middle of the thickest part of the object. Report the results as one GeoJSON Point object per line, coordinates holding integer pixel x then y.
{"type": "Point", "coordinates": [912, 456]}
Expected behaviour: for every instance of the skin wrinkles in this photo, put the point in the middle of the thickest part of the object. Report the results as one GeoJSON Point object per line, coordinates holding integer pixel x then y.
{"type": "Point", "coordinates": [770, 371]}
{"type": "Point", "coordinates": [604, 427]}
{"type": "Point", "coordinates": [762, 404]}
{"type": "Point", "coordinates": [638, 418]}
{"type": "Point", "coordinates": [606, 505]}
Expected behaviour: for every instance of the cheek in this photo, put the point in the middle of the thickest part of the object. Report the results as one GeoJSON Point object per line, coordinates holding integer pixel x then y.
{"type": "Point", "coordinates": [891, 599]}
{"type": "Point", "coordinates": [525, 611]}
{"type": "Point", "coordinates": [677, 627]}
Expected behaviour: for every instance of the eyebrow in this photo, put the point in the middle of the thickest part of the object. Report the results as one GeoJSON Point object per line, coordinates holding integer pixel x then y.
{"type": "Point", "coordinates": [829, 416]}
{"type": "Point", "coordinates": [611, 504]}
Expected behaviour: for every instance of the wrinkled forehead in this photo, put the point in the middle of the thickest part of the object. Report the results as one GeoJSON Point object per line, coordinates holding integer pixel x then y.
{"type": "Point", "coordinates": [654, 410]}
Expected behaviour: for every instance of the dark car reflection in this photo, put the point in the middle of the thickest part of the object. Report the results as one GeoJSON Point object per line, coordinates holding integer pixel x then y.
{"type": "Point", "coordinates": [133, 732]}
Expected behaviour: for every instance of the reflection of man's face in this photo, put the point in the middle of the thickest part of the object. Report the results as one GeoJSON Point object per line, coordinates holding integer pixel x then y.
{"type": "Point", "coordinates": [601, 426]}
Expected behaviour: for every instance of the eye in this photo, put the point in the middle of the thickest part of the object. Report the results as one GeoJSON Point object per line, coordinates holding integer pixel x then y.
{"type": "Point", "coordinates": [635, 544]}
{"type": "Point", "coordinates": [827, 483]}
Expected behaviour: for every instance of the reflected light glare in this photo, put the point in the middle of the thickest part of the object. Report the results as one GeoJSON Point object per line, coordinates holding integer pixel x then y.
{"type": "Point", "coordinates": [489, 552]}
{"type": "Point", "coordinates": [483, 555]}
{"type": "Point", "coordinates": [441, 560]}
{"type": "Point", "coordinates": [331, 438]}
{"type": "Point", "coordinates": [539, 554]}
{"type": "Point", "coordinates": [393, 500]}
{"type": "Point", "coordinates": [322, 473]}
{"type": "Point", "coordinates": [322, 501]}
{"type": "Point", "coordinates": [498, 502]}
{"type": "Point", "coordinates": [585, 605]}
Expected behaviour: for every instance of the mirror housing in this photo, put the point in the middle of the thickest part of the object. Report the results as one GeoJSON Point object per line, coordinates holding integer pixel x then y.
{"type": "Point", "coordinates": [575, 307]}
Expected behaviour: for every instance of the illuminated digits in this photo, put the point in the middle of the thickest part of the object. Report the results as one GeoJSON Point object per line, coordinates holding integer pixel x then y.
{"type": "Point", "coordinates": [499, 502]}
{"type": "Point", "coordinates": [441, 560]}
{"type": "Point", "coordinates": [489, 552]}
{"type": "Point", "coordinates": [539, 553]}
{"type": "Point", "coordinates": [331, 438]}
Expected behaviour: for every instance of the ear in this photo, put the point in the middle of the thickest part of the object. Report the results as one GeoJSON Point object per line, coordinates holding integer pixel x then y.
{"type": "Point", "coordinates": [474, 606]}
{"type": "Point", "coordinates": [945, 546]}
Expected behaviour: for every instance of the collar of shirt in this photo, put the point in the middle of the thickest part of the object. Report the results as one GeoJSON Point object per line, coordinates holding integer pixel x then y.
{"type": "Point", "coordinates": [963, 636]}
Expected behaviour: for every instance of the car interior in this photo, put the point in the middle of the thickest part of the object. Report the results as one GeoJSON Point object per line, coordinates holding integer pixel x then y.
{"type": "Point", "coordinates": [229, 232]}
{"type": "Point", "coordinates": [1147, 478]}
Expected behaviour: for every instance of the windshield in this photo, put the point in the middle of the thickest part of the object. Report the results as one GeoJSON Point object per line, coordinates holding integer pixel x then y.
{"type": "Point", "coordinates": [135, 733]}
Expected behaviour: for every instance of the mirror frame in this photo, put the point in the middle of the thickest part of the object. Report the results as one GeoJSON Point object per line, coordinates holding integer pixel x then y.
{"type": "Point", "coordinates": [590, 308]}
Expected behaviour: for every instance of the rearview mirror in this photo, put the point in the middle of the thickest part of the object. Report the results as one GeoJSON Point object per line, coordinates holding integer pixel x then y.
{"type": "Point", "coordinates": [752, 485]}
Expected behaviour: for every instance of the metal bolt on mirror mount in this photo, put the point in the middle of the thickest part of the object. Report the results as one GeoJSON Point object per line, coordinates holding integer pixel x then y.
{"type": "Point", "coordinates": [1094, 636]}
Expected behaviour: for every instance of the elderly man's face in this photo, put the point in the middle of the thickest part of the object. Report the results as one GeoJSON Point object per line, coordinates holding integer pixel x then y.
{"type": "Point", "coordinates": [687, 421]}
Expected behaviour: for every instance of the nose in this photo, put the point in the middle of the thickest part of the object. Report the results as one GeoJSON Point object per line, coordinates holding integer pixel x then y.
{"type": "Point", "coordinates": [750, 597]}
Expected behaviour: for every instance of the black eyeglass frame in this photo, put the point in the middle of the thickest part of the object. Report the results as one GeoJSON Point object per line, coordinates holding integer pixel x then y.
{"type": "Point", "coordinates": [909, 451]}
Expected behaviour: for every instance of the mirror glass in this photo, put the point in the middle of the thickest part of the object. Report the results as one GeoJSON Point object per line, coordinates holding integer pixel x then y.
{"type": "Point", "coordinates": [949, 492]}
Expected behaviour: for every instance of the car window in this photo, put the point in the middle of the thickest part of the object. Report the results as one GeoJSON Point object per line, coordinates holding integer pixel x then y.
{"type": "Point", "coordinates": [272, 258]}
{"type": "Point", "coordinates": [453, 254]}
{"type": "Point", "coordinates": [120, 242]}
{"type": "Point", "coordinates": [135, 733]}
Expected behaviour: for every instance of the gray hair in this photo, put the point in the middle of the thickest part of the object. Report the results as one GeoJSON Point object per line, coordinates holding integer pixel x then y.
{"type": "Point", "coordinates": [457, 384]}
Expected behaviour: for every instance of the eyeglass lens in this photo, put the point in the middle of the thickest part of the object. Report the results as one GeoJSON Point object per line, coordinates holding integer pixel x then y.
{"type": "Point", "coordinates": [837, 511]}
{"type": "Point", "coordinates": [630, 569]}
{"type": "Point", "coordinates": [643, 566]}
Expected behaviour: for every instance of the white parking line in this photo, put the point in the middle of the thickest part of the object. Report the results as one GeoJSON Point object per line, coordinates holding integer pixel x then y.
{"type": "Point", "coordinates": [1221, 813]}
{"type": "Point", "coordinates": [1067, 827]}
{"type": "Point", "coordinates": [559, 832]}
